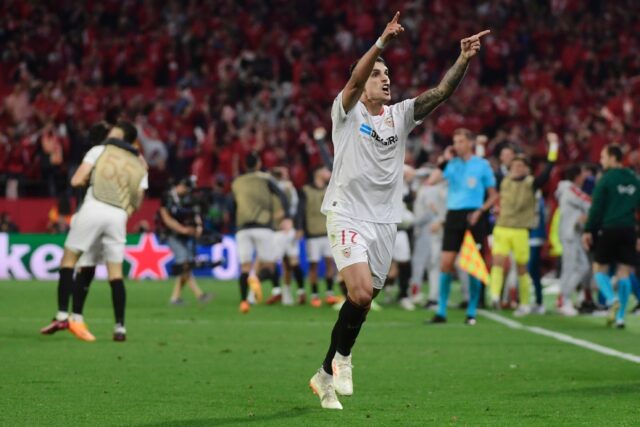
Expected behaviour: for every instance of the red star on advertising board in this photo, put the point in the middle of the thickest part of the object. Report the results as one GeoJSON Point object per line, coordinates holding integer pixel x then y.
{"type": "Point", "coordinates": [148, 258]}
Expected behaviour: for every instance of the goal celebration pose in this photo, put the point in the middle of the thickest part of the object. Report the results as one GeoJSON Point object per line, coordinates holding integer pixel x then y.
{"type": "Point", "coordinates": [363, 202]}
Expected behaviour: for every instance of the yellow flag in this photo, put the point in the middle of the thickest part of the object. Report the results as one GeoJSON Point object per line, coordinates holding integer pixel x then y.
{"type": "Point", "coordinates": [471, 261]}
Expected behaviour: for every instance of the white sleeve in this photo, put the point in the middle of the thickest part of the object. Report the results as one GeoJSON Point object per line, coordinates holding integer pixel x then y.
{"type": "Point", "coordinates": [144, 183]}
{"type": "Point", "coordinates": [403, 115]}
{"type": "Point", "coordinates": [92, 155]}
{"type": "Point", "coordinates": [337, 110]}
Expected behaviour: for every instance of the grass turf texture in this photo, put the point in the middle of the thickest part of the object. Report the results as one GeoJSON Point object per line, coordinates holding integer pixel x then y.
{"type": "Point", "coordinates": [209, 365]}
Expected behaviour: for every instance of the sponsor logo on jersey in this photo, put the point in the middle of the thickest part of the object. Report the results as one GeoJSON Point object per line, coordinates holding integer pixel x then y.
{"type": "Point", "coordinates": [627, 189]}
{"type": "Point", "coordinates": [367, 130]}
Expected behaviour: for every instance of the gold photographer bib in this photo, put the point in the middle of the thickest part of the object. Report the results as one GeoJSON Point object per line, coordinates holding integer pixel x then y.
{"type": "Point", "coordinates": [116, 178]}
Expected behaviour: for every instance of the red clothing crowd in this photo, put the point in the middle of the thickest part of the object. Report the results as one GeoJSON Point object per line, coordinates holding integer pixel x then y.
{"type": "Point", "coordinates": [206, 82]}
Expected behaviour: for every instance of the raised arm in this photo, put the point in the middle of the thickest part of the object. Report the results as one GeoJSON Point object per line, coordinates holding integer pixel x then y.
{"type": "Point", "coordinates": [355, 86]}
{"type": "Point", "coordinates": [428, 100]}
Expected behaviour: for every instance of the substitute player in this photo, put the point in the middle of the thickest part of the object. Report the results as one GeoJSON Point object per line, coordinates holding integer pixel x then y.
{"type": "Point", "coordinates": [85, 268]}
{"type": "Point", "coordinates": [616, 199]}
{"type": "Point", "coordinates": [252, 195]}
{"type": "Point", "coordinates": [363, 202]}
{"type": "Point", "coordinates": [287, 243]}
{"type": "Point", "coordinates": [117, 178]}
{"type": "Point", "coordinates": [315, 231]}
{"type": "Point", "coordinates": [511, 233]}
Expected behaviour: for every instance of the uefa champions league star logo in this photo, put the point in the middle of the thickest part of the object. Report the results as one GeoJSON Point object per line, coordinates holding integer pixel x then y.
{"type": "Point", "coordinates": [148, 258]}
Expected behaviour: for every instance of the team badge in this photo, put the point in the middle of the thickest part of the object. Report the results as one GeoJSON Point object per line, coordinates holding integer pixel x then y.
{"type": "Point", "coordinates": [471, 182]}
{"type": "Point", "coordinates": [389, 121]}
{"type": "Point", "coordinates": [346, 252]}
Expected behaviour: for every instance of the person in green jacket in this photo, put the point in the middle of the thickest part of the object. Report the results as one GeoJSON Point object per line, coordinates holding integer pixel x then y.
{"type": "Point", "coordinates": [611, 230]}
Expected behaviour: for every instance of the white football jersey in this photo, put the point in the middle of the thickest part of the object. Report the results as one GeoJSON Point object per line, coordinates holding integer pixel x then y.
{"type": "Point", "coordinates": [368, 165]}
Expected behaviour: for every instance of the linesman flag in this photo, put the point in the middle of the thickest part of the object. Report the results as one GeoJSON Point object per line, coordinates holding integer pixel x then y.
{"type": "Point", "coordinates": [471, 261]}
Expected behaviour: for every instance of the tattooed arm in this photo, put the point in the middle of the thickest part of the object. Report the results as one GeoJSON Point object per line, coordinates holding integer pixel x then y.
{"type": "Point", "coordinates": [427, 101]}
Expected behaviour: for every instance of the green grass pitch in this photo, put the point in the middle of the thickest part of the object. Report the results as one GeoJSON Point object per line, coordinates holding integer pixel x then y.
{"type": "Point", "coordinates": [211, 366]}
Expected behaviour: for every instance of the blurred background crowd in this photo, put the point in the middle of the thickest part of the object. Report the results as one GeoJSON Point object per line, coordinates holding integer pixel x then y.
{"type": "Point", "coordinates": [208, 81]}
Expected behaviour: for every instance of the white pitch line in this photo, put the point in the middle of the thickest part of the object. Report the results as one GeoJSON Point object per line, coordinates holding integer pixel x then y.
{"type": "Point", "coordinates": [561, 337]}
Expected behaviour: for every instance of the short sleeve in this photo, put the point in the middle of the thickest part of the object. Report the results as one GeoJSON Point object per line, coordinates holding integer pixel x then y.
{"type": "Point", "coordinates": [92, 155]}
{"type": "Point", "coordinates": [337, 110]}
{"type": "Point", "coordinates": [404, 111]}
{"type": "Point", "coordinates": [489, 178]}
{"type": "Point", "coordinates": [448, 172]}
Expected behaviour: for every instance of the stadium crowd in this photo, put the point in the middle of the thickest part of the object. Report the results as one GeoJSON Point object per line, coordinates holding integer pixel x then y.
{"type": "Point", "coordinates": [209, 81]}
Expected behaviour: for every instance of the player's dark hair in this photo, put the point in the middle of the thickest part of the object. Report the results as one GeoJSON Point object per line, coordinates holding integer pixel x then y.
{"type": "Point", "coordinates": [98, 132]}
{"type": "Point", "coordinates": [614, 150]}
{"type": "Point", "coordinates": [465, 132]}
{"type": "Point", "coordinates": [251, 160]}
{"type": "Point", "coordinates": [521, 158]}
{"type": "Point", "coordinates": [572, 172]}
{"type": "Point", "coordinates": [353, 65]}
{"type": "Point", "coordinates": [507, 146]}
{"type": "Point", "coordinates": [276, 173]}
{"type": "Point", "coordinates": [129, 130]}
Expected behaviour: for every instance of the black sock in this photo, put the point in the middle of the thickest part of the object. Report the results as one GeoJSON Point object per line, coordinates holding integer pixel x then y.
{"type": "Point", "coordinates": [314, 289]}
{"type": "Point", "coordinates": [119, 298]}
{"type": "Point", "coordinates": [329, 281]}
{"type": "Point", "coordinates": [343, 287]}
{"type": "Point", "coordinates": [65, 287]}
{"type": "Point", "coordinates": [273, 275]}
{"type": "Point", "coordinates": [81, 287]}
{"type": "Point", "coordinates": [389, 281]}
{"type": "Point", "coordinates": [345, 332]}
{"type": "Point", "coordinates": [299, 275]}
{"type": "Point", "coordinates": [244, 286]}
{"type": "Point", "coordinates": [404, 275]}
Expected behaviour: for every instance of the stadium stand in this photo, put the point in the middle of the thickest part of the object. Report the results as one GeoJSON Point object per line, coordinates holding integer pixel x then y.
{"type": "Point", "coordinates": [206, 82]}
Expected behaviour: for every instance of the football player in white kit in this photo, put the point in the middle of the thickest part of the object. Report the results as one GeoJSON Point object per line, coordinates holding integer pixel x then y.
{"type": "Point", "coordinates": [118, 177]}
{"type": "Point", "coordinates": [287, 243]}
{"type": "Point", "coordinates": [363, 202]}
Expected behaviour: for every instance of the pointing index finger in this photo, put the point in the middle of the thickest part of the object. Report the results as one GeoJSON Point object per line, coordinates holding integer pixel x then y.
{"type": "Point", "coordinates": [480, 34]}
{"type": "Point", "coordinates": [395, 18]}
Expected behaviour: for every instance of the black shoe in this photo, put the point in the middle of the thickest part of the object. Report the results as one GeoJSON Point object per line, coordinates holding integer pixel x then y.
{"type": "Point", "coordinates": [469, 320]}
{"type": "Point", "coordinates": [587, 307]}
{"type": "Point", "coordinates": [436, 319]}
{"type": "Point", "coordinates": [636, 310]}
{"type": "Point", "coordinates": [430, 304]}
{"type": "Point", "coordinates": [463, 305]}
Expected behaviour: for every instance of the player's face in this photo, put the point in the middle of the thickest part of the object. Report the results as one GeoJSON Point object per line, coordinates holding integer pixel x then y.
{"type": "Point", "coordinates": [462, 145]}
{"type": "Point", "coordinates": [584, 175]}
{"type": "Point", "coordinates": [378, 86]}
{"type": "Point", "coordinates": [506, 156]}
{"type": "Point", "coordinates": [325, 174]}
{"type": "Point", "coordinates": [518, 169]}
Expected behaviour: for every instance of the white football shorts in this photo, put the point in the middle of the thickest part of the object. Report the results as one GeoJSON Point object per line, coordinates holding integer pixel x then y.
{"type": "Point", "coordinates": [354, 241]}
{"type": "Point", "coordinates": [99, 223]}
{"type": "Point", "coordinates": [402, 249]}
{"type": "Point", "coordinates": [318, 248]}
{"type": "Point", "coordinates": [286, 244]}
{"type": "Point", "coordinates": [258, 240]}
